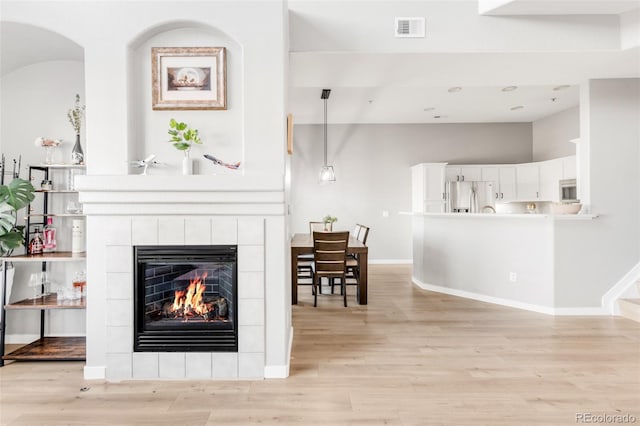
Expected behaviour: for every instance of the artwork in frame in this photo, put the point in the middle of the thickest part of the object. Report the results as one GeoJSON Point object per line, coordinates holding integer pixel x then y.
{"type": "Point", "coordinates": [188, 78]}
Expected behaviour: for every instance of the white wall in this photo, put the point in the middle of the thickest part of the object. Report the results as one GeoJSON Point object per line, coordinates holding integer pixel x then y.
{"type": "Point", "coordinates": [372, 170]}
{"type": "Point", "coordinates": [552, 135]}
{"type": "Point", "coordinates": [477, 255]}
{"type": "Point", "coordinates": [592, 256]}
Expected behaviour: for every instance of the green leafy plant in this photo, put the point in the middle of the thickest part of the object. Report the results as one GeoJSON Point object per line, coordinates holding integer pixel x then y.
{"type": "Point", "coordinates": [329, 219]}
{"type": "Point", "coordinates": [18, 194]}
{"type": "Point", "coordinates": [182, 136]}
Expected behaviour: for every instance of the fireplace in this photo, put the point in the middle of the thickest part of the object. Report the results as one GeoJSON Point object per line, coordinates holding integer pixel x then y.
{"type": "Point", "coordinates": [185, 298]}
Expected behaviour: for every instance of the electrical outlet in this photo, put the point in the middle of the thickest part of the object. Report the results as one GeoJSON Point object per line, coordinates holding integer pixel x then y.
{"type": "Point", "coordinates": [513, 277]}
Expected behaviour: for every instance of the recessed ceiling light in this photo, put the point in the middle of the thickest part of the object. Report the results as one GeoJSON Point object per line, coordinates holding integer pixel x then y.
{"type": "Point", "coordinates": [517, 107]}
{"type": "Point", "coordinates": [454, 89]}
{"type": "Point", "coordinates": [428, 109]}
{"type": "Point", "coordinates": [562, 87]}
{"type": "Point", "coordinates": [439, 116]}
{"type": "Point", "coordinates": [509, 88]}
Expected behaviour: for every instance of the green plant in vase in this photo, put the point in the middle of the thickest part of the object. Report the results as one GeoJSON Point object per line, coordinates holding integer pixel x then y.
{"type": "Point", "coordinates": [182, 137]}
{"type": "Point", "coordinates": [328, 222]}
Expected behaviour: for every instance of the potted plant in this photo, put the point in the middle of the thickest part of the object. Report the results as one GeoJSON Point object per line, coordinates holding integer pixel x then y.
{"type": "Point", "coordinates": [13, 197]}
{"type": "Point", "coordinates": [182, 136]}
{"type": "Point", "coordinates": [328, 222]}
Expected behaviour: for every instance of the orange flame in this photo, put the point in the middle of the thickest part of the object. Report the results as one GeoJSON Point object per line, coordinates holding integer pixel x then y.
{"type": "Point", "coordinates": [191, 300]}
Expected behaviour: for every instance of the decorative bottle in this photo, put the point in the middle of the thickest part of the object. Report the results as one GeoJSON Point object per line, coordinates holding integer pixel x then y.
{"type": "Point", "coordinates": [77, 236]}
{"type": "Point", "coordinates": [77, 155]}
{"type": "Point", "coordinates": [36, 243]}
{"type": "Point", "coordinates": [49, 232]}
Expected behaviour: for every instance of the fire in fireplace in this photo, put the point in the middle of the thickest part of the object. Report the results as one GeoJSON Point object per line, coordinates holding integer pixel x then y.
{"type": "Point", "coordinates": [185, 298]}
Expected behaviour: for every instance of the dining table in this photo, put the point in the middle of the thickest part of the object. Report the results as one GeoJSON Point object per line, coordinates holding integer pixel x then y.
{"type": "Point", "coordinates": [303, 244]}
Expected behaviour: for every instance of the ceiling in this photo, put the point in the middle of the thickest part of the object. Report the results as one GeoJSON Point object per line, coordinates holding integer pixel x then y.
{"type": "Point", "coordinates": [556, 7]}
{"type": "Point", "coordinates": [383, 87]}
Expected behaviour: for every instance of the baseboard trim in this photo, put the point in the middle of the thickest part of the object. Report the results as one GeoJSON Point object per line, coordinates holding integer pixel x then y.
{"type": "Point", "coordinates": [20, 339]}
{"type": "Point", "coordinates": [586, 311]}
{"type": "Point", "coordinates": [619, 289]}
{"type": "Point", "coordinates": [390, 261]}
{"type": "Point", "coordinates": [95, 373]}
{"type": "Point", "coordinates": [280, 371]}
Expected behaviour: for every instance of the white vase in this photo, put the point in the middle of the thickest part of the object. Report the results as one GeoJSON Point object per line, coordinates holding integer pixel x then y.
{"type": "Point", "coordinates": [187, 164]}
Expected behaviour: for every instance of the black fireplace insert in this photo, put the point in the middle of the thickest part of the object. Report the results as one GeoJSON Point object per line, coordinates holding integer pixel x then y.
{"type": "Point", "coordinates": [185, 298]}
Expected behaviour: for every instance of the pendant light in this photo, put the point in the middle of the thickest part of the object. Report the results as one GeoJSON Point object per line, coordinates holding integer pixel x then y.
{"type": "Point", "coordinates": [326, 172]}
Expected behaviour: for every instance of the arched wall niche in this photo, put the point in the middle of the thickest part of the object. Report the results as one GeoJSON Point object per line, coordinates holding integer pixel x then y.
{"type": "Point", "coordinates": [40, 73]}
{"type": "Point", "coordinates": [220, 130]}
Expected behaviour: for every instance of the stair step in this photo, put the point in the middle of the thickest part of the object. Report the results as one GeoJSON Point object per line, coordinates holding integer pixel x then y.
{"type": "Point", "coordinates": [630, 308]}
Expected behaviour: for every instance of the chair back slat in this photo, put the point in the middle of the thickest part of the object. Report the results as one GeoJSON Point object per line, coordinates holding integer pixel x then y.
{"type": "Point", "coordinates": [364, 234]}
{"type": "Point", "coordinates": [356, 231]}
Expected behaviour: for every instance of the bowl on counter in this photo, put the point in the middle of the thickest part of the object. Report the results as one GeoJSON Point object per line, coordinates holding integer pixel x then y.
{"type": "Point", "coordinates": [565, 208]}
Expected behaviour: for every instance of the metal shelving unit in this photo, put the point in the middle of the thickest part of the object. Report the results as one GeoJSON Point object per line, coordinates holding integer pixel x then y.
{"type": "Point", "coordinates": [46, 347]}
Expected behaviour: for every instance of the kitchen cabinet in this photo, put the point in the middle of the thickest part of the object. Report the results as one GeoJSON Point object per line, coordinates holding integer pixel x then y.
{"type": "Point", "coordinates": [550, 173]}
{"type": "Point", "coordinates": [463, 173]}
{"type": "Point", "coordinates": [504, 179]}
{"type": "Point", "coordinates": [52, 201]}
{"type": "Point", "coordinates": [427, 188]}
{"type": "Point", "coordinates": [527, 182]}
{"type": "Point", "coordinates": [569, 167]}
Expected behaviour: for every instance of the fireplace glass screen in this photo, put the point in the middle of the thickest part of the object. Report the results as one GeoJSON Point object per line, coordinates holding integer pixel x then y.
{"type": "Point", "coordinates": [185, 298]}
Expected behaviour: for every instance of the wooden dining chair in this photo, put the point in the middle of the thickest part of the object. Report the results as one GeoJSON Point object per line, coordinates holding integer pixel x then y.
{"type": "Point", "coordinates": [305, 261]}
{"type": "Point", "coordinates": [353, 262]}
{"type": "Point", "coordinates": [329, 260]}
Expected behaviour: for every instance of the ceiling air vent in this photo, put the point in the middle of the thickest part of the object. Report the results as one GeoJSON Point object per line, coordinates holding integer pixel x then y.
{"type": "Point", "coordinates": [410, 27]}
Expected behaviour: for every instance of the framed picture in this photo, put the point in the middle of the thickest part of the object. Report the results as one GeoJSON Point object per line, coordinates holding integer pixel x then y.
{"type": "Point", "coordinates": [188, 78]}
{"type": "Point", "coordinates": [290, 134]}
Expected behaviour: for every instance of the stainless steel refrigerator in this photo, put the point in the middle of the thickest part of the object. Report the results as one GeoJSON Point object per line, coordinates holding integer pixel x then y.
{"type": "Point", "coordinates": [470, 197]}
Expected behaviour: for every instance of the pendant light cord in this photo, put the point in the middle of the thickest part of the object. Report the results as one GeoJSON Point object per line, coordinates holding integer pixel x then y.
{"type": "Point", "coordinates": [325, 132]}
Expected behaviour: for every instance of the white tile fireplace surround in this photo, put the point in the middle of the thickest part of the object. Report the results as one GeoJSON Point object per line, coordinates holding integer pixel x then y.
{"type": "Point", "coordinates": [125, 211]}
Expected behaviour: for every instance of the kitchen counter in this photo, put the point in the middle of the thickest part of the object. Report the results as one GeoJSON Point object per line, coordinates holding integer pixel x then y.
{"type": "Point", "coordinates": [519, 260]}
{"type": "Point", "coordinates": [527, 216]}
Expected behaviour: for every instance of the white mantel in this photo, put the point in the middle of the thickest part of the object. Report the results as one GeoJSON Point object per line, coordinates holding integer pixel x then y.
{"type": "Point", "coordinates": [127, 210]}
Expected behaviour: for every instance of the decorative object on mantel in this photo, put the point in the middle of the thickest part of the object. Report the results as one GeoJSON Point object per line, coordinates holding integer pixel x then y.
{"type": "Point", "coordinates": [48, 145]}
{"type": "Point", "coordinates": [75, 118]}
{"type": "Point", "coordinates": [217, 162]}
{"type": "Point", "coordinates": [328, 222]}
{"type": "Point", "coordinates": [192, 78]}
{"type": "Point", "coordinates": [182, 136]}
{"type": "Point", "coordinates": [144, 164]}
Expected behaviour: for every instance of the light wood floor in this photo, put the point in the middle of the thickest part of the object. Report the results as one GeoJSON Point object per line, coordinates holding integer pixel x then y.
{"type": "Point", "coordinates": [410, 357]}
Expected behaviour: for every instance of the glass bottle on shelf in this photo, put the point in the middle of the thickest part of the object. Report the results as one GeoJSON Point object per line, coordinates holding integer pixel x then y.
{"type": "Point", "coordinates": [36, 244]}
{"type": "Point", "coordinates": [49, 244]}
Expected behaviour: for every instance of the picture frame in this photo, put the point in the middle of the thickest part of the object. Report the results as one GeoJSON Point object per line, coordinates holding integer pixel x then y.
{"type": "Point", "coordinates": [290, 134]}
{"type": "Point", "coordinates": [189, 78]}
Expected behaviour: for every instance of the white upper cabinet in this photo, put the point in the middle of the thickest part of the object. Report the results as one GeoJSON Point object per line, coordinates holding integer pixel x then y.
{"type": "Point", "coordinates": [550, 175]}
{"type": "Point", "coordinates": [569, 167]}
{"type": "Point", "coordinates": [427, 188]}
{"type": "Point", "coordinates": [527, 182]}
{"type": "Point", "coordinates": [504, 181]}
{"type": "Point", "coordinates": [507, 183]}
{"type": "Point", "coordinates": [463, 173]}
